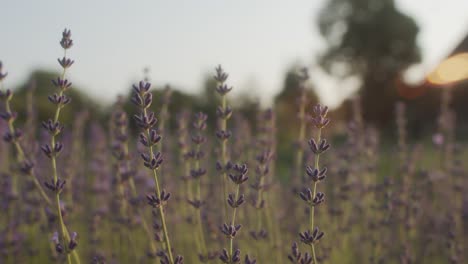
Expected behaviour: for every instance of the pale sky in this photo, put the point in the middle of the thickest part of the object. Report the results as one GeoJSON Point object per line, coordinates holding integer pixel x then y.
{"type": "Point", "coordinates": [256, 41]}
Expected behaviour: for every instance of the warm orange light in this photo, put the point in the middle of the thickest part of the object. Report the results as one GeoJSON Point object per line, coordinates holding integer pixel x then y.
{"type": "Point", "coordinates": [451, 70]}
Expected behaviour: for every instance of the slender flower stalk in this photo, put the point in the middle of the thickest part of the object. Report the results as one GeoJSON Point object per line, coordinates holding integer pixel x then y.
{"type": "Point", "coordinates": [230, 230]}
{"type": "Point", "coordinates": [146, 121]}
{"type": "Point", "coordinates": [65, 243]}
{"type": "Point", "coordinates": [196, 173]}
{"type": "Point", "coordinates": [263, 159]}
{"type": "Point", "coordinates": [223, 112]}
{"type": "Point", "coordinates": [124, 169]}
{"type": "Point", "coordinates": [184, 157]}
{"type": "Point", "coordinates": [312, 197]}
{"type": "Point", "coordinates": [127, 172]}
{"type": "Point", "coordinates": [119, 138]}
{"type": "Point", "coordinates": [14, 136]}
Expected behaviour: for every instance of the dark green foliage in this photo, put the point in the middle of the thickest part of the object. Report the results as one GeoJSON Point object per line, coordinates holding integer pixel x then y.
{"type": "Point", "coordinates": [41, 82]}
{"type": "Point", "coordinates": [374, 41]}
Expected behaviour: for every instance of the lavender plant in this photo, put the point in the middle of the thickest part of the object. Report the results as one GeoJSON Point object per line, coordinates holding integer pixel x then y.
{"type": "Point", "coordinates": [124, 172]}
{"type": "Point", "coordinates": [312, 197]}
{"type": "Point", "coordinates": [223, 112]}
{"type": "Point", "coordinates": [264, 159]}
{"type": "Point", "coordinates": [149, 137]}
{"type": "Point", "coordinates": [393, 206]}
{"type": "Point", "coordinates": [237, 177]}
{"type": "Point", "coordinates": [196, 173]}
{"type": "Point", "coordinates": [231, 229]}
{"type": "Point", "coordinates": [14, 136]}
{"type": "Point", "coordinates": [64, 242]}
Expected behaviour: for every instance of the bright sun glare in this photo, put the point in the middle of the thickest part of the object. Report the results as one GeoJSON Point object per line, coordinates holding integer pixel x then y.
{"type": "Point", "coordinates": [451, 70]}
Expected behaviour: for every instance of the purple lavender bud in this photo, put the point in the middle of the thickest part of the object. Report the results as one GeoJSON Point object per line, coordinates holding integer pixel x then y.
{"type": "Point", "coordinates": [142, 87]}
{"type": "Point", "coordinates": [236, 256]}
{"type": "Point", "coordinates": [54, 128]}
{"type": "Point", "coordinates": [65, 62]}
{"type": "Point", "coordinates": [57, 148]}
{"type": "Point", "coordinates": [198, 139]}
{"type": "Point", "coordinates": [223, 89]}
{"type": "Point", "coordinates": [197, 173]}
{"type": "Point", "coordinates": [73, 243]}
{"type": "Point", "coordinates": [142, 100]}
{"type": "Point", "coordinates": [310, 238]}
{"type": "Point", "coordinates": [316, 175]}
{"type": "Point", "coordinates": [62, 84]}
{"type": "Point", "coordinates": [153, 200]}
{"type": "Point", "coordinates": [56, 187]}
{"type": "Point", "coordinates": [201, 118]}
{"type": "Point", "coordinates": [13, 137]}
{"type": "Point", "coordinates": [137, 100]}
{"type": "Point", "coordinates": [66, 41]}
{"type": "Point", "coordinates": [219, 166]}
{"type": "Point", "coordinates": [224, 257]}
{"type": "Point", "coordinates": [307, 259]}
{"type": "Point", "coordinates": [152, 162]}
{"type": "Point", "coordinates": [262, 234]}
{"type": "Point", "coordinates": [238, 178]}
{"type": "Point", "coordinates": [47, 150]}
{"type": "Point", "coordinates": [26, 167]}
{"type": "Point", "coordinates": [9, 117]}
{"type": "Point", "coordinates": [157, 202]}
{"type": "Point", "coordinates": [240, 168]}
{"type": "Point", "coordinates": [220, 76]}
{"type": "Point", "coordinates": [154, 137]}
{"type": "Point", "coordinates": [147, 100]}
{"type": "Point", "coordinates": [196, 203]}
{"type": "Point", "coordinates": [295, 255]}
{"type": "Point", "coordinates": [224, 113]}
{"type": "Point", "coordinates": [59, 248]}
{"type": "Point", "coordinates": [320, 110]}
{"type": "Point", "coordinates": [235, 203]}
{"type": "Point", "coordinates": [223, 135]}
{"type": "Point", "coordinates": [306, 195]}
{"type": "Point", "coordinates": [320, 121]}
{"type": "Point", "coordinates": [318, 199]}
{"type": "Point", "coordinates": [230, 230]}
{"type": "Point", "coordinates": [145, 121]}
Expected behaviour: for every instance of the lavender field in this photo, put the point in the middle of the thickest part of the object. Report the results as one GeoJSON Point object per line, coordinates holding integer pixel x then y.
{"type": "Point", "coordinates": [133, 189]}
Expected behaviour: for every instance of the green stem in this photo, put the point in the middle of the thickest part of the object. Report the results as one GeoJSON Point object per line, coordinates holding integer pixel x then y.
{"type": "Point", "coordinates": [64, 235]}
{"type": "Point", "coordinates": [161, 209]}
{"type": "Point", "coordinates": [143, 221]}
{"type": "Point", "coordinates": [312, 208]}
{"type": "Point", "coordinates": [200, 226]}
{"type": "Point", "coordinates": [224, 156]}
{"type": "Point", "coordinates": [233, 221]}
{"type": "Point", "coordinates": [21, 157]}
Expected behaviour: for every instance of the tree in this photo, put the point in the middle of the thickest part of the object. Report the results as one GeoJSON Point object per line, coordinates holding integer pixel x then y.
{"type": "Point", "coordinates": [374, 41]}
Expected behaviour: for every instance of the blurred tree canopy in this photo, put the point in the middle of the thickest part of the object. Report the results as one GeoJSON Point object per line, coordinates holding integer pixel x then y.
{"type": "Point", "coordinates": [374, 41]}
